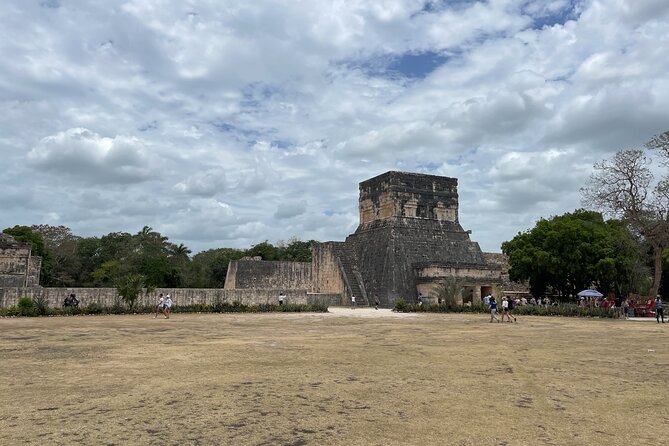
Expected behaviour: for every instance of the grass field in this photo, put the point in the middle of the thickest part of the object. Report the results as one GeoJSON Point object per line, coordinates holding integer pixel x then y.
{"type": "Point", "coordinates": [360, 377]}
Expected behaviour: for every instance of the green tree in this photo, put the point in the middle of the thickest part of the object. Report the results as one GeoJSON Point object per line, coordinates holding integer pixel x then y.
{"type": "Point", "coordinates": [209, 268]}
{"type": "Point", "coordinates": [265, 250]}
{"type": "Point", "coordinates": [571, 252]}
{"type": "Point", "coordinates": [295, 251]}
{"type": "Point", "coordinates": [62, 244]}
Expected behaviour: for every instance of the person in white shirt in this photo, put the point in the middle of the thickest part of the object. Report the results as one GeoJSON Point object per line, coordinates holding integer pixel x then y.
{"type": "Point", "coordinates": [160, 308]}
{"type": "Point", "coordinates": [168, 306]}
{"type": "Point", "coordinates": [353, 302]}
{"type": "Point", "coordinates": [505, 309]}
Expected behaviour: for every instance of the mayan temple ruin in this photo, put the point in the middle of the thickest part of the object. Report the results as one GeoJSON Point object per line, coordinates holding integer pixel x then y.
{"type": "Point", "coordinates": [408, 240]}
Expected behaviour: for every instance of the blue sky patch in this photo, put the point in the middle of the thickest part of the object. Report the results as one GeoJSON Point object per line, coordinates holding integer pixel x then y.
{"type": "Point", "coordinates": [556, 18]}
{"type": "Point", "coordinates": [408, 65]}
{"type": "Point", "coordinates": [419, 65]}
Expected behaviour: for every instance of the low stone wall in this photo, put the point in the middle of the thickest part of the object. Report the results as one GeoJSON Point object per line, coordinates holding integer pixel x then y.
{"type": "Point", "coordinates": [261, 274]}
{"type": "Point", "coordinates": [180, 296]}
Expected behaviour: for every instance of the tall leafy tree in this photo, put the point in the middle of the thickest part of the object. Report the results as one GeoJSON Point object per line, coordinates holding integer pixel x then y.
{"type": "Point", "coordinates": [626, 188]}
{"type": "Point", "coordinates": [63, 247]}
{"type": "Point", "coordinates": [571, 252]}
{"type": "Point", "coordinates": [295, 251]}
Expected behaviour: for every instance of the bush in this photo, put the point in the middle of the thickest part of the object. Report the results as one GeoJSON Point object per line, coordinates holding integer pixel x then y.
{"type": "Point", "coordinates": [26, 307]}
{"type": "Point", "coordinates": [41, 306]}
{"type": "Point", "coordinates": [401, 305]}
{"type": "Point", "coordinates": [93, 308]}
{"type": "Point", "coordinates": [71, 311]}
{"type": "Point", "coordinates": [565, 310]}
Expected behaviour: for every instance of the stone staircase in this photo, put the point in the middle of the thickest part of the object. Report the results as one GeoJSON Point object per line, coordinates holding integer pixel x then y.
{"type": "Point", "coordinates": [352, 276]}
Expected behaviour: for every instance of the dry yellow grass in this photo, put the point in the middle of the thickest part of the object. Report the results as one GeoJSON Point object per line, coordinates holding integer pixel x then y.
{"type": "Point", "coordinates": [345, 378]}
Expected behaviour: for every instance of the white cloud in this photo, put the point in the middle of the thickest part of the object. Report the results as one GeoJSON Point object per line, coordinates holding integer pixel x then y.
{"type": "Point", "coordinates": [81, 154]}
{"type": "Point", "coordinates": [228, 123]}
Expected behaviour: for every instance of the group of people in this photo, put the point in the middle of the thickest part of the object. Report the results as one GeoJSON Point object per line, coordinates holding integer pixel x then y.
{"type": "Point", "coordinates": [507, 308]}
{"type": "Point", "coordinates": [164, 306]}
{"type": "Point", "coordinates": [619, 305]}
{"type": "Point", "coordinates": [71, 301]}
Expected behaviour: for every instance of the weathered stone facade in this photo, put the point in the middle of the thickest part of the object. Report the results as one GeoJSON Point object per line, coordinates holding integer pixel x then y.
{"type": "Point", "coordinates": [18, 267]}
{"type": "Point", "coordinates": [181, 296]}
{"type": "Point", "coordinates": [256, 274]}
{"type": "Point", "coordinates": [408, 240]}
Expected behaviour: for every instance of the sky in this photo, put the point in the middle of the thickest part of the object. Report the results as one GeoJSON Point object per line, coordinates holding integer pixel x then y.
{"type": "Point", "coordinates": [228, 123]}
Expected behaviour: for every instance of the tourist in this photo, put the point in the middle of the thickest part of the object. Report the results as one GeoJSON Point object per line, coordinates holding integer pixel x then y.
{"type": "Point", "coordinates": [168, 306]}
{"type": "Point", "coordinates": [282, 297]}
{"type": "Point", "coordinates": [493, 308]}
{"type": "Point", "coordinates": [659, 311]}
{"type": "Point", "coordinates": [619, 306]}
{"type": "Point", "coordinates": [160, 307]}
{"type": "Point", "coordinates": [523, 301]}
{"type": "Point", "coordinates": [509, 310]}
{"type": "Point", "coordinates": [486, 299]}
{"type": "Point", "coordinates": [420, 299]}
{"type": "Point", "coordinates": [505, 308]}
{"type": "Point", "coordinates": [71, 301]}
{"type": "Point", "coordinates": [376, 302]}
{"type": "Point", "coordinates": [353, 301]}
{"type": "Point", "coordinates": [626, 308]}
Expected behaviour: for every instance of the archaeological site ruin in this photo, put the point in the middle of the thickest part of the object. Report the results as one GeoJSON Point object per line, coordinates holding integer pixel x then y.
{"type": "Point", "coordinates": [408, 240]}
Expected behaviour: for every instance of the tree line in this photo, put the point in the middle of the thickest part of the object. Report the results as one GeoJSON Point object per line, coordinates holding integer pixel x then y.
{"type": "Point", "coordinates": [147, 258]}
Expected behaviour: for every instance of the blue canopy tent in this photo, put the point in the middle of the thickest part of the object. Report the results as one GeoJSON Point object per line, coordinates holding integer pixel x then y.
{"type": "Point", "coordinates": [590, 293]}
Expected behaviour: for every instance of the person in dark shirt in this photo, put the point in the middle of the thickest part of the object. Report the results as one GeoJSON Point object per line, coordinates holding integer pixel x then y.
{"type": "Point", "coordinates": [659, 311]}
{"type": "Point", "coordinates": [619, 306]}
{"type": "Point", "coordinates": [493, 309]}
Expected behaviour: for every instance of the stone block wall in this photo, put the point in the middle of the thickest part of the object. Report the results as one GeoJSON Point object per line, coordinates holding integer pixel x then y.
{"type": "Point", "coordinates": [181, 296]}
{"type": "Point", "coordinates": [254, 274]}
{"type": "Point", "coordinates": [408, 195]}
{"type": "Point", "coordinates": [17, 266]}
{"type": "Point", "coordinates": [388, 252]}
{"type": "Point", "coordinates": [325, 271]}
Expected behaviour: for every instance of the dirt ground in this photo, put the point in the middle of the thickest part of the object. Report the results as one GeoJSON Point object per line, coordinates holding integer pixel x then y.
{"type": "Point", "coordinates": [349, 377]}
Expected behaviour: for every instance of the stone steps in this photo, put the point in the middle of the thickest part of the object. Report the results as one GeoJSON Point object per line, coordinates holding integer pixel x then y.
{"type": "Point", "coordinates": [349, 268]}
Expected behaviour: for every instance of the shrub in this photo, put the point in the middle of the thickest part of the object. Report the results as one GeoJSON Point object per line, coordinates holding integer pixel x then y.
{"type": "Point", "coordinates": [401, 305]}
{"type": "Point", "coordinates": [12, 310]}
{"type": "Point", "coordinates": [93, 308]}
{"type": "Point", "coordinates": [70, 311]}
{"type": "Point", "coordinates": [566, 310]}
{"type": "Point", "coordinates": [26, 307]}
{"type": "Point", "coordinates": [41, 305]}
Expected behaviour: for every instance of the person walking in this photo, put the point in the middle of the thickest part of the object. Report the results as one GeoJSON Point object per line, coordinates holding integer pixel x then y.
{"type": "Point", "coordinates": [509, 310]}
{"type": "Point", "coordinates": [505, 308]}
{"type": "Point", "coordinates": [160, 307]}
{"type": "Point", "coordinates": [168, 306]}
{"type": "Point", "coordinates": [492, 304]}
{"type": "Point", "coordinates": [282, 297]}
{"type": "Point", "coordinates": [352, 301]}
{"type": "Point", "coordinates": [376, 302]}
{"type": "Point", "coordinates": [659, 311]}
